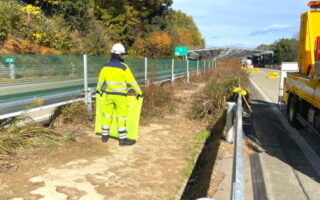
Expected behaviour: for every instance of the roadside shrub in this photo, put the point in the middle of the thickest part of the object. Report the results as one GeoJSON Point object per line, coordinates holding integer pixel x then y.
{"type": "Point", "coordinates": [75, 113]}
{"type": "Point", "coordinates": [211, 101]}
{"type": "Point", "coordinates": [158, 100]}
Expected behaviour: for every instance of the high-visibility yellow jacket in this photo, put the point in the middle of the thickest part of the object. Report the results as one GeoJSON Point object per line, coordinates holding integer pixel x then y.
{"type": "Point", "coordinates": [116, 78]}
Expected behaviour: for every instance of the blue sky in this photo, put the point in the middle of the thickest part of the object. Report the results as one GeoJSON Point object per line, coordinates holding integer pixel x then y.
{"type": "Point", "coordinates": [244, 23]}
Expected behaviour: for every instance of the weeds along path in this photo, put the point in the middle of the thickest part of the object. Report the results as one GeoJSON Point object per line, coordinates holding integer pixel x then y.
{"type": "Point", "coordinates": [87, 169]}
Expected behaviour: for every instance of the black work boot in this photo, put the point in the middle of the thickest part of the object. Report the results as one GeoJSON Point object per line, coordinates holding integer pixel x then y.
{"type": "Point", "coordinates": [126, 142]}
{"type": "Point", "coordinates": [104, 138]}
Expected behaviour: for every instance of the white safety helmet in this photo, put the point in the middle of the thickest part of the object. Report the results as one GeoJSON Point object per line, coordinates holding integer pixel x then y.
{"type": "Point", "coordinates": [118, 49]}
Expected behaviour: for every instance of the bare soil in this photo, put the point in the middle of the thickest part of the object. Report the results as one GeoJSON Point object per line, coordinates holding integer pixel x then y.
{"type": "Point", "coordinates": [87, 169]}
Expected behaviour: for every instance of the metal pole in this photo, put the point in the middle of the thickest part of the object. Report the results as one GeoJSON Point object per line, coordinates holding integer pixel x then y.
{"type": "Point", "coordinates": [90, 103]}
{"type": "Point", "coordinates": [146, 71]}
{"type": "Point", "coordinates": [229, 123]}
{"type": "Point", "coordinates": [85, 78]}
{"type": "Point", "coordinates": [12, 71]}
{"type": "Point", "coordinates": [204, 67]}
{"type": "Point", "coordinates": [86, 90]}
{"type": "Point", "coordinates": [188, 73]}
{"type": "Point", "coordinates": [198, 63]}
{"type": "Point", "coordinates": [172, 72]}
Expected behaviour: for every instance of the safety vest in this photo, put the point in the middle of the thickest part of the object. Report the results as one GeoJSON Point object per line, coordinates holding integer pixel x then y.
{"type": "Point", "coordinates": [116, 78]}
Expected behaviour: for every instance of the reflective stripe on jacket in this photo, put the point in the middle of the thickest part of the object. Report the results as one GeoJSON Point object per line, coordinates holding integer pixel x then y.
{"type": "Point", "coordinates": [116, 76]}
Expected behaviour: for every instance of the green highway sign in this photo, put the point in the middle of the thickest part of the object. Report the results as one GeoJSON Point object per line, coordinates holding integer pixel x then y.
{"type": "Point", "coordinates": [181, 51]}
{"type": "Point", "coordinates": [9, 60]}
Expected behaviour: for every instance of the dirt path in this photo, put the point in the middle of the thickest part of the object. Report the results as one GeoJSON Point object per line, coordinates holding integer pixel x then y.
{"type": "Point", "coordinates": [89, 170]}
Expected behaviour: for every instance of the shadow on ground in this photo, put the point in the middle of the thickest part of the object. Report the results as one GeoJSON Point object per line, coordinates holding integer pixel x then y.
{"type": "Point", "coordinates": [264, 128]}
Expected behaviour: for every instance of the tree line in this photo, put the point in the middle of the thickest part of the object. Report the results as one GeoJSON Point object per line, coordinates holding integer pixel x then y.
{"type": "Point", "coordinates": [285, 50]}
{"type": "Point", "coordinates": [146, 27]}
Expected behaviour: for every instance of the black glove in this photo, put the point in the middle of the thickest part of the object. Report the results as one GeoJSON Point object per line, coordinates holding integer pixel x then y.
{"type": "Point", "coordinates": [104, 138]}
{"type": "Point", "coordinates": [99, 92]}
{"type": "Point", "coordinates": [139, 96]}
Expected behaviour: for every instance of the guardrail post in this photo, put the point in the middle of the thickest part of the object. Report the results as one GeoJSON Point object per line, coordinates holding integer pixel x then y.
{"type": "Point", "coordinates": [86, 90]}
{"type": "Point", "coordinates": [12, 71]}
{"type": "Point", "coordinates": [230, 122]}
{"type": "Point", "coordinates": [146, 71]}
{"type": "Point", "coordinates": [172, 72]}
{"type": "Point", "coordinates": [89, 103]}
{"type": "Point", "coordinates": [198, 63]}
{"type": "Point", "coordinates": [188, 73]}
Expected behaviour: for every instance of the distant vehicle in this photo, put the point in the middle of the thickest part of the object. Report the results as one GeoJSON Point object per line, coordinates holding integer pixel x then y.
{"type": "Point", "coordinates": [302, 89]}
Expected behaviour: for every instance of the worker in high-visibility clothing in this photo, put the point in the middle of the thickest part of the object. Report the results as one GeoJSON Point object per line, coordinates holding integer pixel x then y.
{"type": "Point", "coordinates": [114, 79]}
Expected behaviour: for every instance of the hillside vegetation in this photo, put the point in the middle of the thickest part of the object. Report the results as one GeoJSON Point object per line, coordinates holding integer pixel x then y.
{"type": "Point", "coordinates": [285, 50]}
{"type": "Point", "coordinates": [147, 28]}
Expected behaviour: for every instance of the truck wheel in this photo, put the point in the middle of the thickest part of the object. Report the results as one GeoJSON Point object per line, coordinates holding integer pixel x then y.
{"type": "Point", "coordinates": [292, 113]}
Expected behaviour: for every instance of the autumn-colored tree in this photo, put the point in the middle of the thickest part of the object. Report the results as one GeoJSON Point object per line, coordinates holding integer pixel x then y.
{"type": "Point", "coordinates": [184, 31]}
{"type": "Point", "coordinates": [146, 28]}
{"type": "Point", "coordinates": [159, 45]}
{"type": "Point", "coordinates": [139, 47]}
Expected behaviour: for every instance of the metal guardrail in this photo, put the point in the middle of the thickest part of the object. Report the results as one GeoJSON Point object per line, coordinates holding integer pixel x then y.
{"type": "Point", "coordinates": [234, 114]}
{"type": "Point", "coordinates": [237, 192]}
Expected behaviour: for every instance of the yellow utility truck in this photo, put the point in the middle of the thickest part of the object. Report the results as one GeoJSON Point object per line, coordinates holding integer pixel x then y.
{"type": "Point", "coordinates": [302, 89]}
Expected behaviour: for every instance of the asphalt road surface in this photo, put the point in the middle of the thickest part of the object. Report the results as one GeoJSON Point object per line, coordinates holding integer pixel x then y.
{"type": "Point", "coordinates": [288, 159]}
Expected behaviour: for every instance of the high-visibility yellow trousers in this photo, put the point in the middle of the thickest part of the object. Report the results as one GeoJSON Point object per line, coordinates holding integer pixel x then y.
{"type": "Point", "coordinates": [110, 104]}
{"type": "Point", "coordinates": [132, 116]}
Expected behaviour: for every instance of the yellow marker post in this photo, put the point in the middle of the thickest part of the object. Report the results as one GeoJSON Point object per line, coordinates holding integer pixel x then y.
{"type": "Point", "coordinates": [243, 94]}
{"type": "Point", "coordinates": [256, 70]}
{"type": "Point", "coordinates": [273, 75]}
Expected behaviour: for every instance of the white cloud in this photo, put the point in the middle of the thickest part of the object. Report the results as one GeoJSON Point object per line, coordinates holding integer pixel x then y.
{"type": "Point", "coordinates": [271, 28]}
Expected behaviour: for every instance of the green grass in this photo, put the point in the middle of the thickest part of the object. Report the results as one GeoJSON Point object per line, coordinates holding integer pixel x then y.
{"type": "Point", "coordinates": [196, 147]}
{"type": "Point", "coordinates": [201, 136]}
{"type": "Point", "coordinates": [70, 138]}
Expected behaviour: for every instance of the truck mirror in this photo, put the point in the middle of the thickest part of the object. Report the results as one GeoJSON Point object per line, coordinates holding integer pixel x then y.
{"type": "Point", "coordinates": [317, 56]}
{"type": "Point", "coordinates": [318, 49]}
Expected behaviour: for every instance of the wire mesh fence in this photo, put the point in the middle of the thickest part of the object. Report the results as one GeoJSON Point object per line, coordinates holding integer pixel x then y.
{"type": "Point", "coordinates": [37, 76]}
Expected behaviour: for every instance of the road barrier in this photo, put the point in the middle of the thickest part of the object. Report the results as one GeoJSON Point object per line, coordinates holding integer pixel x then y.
{"type": "Point", "coordinates": [60, 78]}
{"type": "Point", "coordinates": [234, 122]}
{"type": "Point", "coordinates": [237, 192]}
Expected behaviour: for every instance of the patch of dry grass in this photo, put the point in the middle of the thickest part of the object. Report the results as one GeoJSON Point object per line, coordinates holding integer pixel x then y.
{"type": "Point", "coordinates": [158, 100]}
{"type": "Point", "coordinates": [16, 137]}
{"type": "Point", "coordinates": [71, 114]}
{"type": "Point", "coordinates": [211, 101]}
